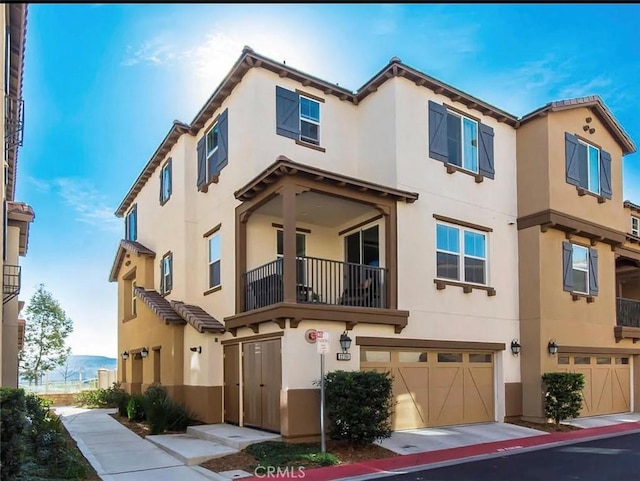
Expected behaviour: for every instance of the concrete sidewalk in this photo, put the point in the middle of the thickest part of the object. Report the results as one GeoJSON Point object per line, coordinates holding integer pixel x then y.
{"type": "Point", "coordinates": [118, 454]}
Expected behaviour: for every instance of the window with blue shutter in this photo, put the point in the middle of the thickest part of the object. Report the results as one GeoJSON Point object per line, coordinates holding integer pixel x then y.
{"type": "Point", "coordinates": [213, 151]}
{"type": "Point", "coordinates": [461, 141]}
{"type": "Point", "coordinates": [131, 224]}
{"type": "Point", "coordinates": [587, 166]}
{"type": "Point", "coordinates": [580, 269]}
{"type": "Point", "coordinates": [166, 273]}
{"type": "Point", "coordinates": [165, 182]}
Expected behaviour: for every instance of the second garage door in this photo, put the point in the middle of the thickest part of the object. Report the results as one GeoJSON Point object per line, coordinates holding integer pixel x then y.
{"type": "Point", "coordinates": [607, 387]}
{"type": "Point", "coordinates": [436, 388]}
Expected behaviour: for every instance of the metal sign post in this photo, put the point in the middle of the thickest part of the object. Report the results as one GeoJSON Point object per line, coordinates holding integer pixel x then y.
{"type": "Point", "coordinates": [322, 341]}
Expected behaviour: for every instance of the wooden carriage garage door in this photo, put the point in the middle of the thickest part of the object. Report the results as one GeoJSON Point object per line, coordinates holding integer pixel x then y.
{"type": "Point", "coordinates": [607, 387]}
{"type": "Point", "coordinates": [436, 388]}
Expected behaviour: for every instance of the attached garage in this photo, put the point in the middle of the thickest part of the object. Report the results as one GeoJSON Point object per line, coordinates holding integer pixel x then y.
{"type": "Point", "coordinates": [607, 387]}
{"type": "Point", "coordinates": [436, 387]}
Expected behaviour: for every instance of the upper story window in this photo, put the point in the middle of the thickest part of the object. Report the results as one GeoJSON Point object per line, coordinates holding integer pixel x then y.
{"type": "Point", "coordinates": [461, 254]}
{"type": "Point", "coordinates": [587, 166]}
{"type": "Point", "coordinates": [166, 273]}
{"type": "Point", "coordinates": [7, 60]}
{"type": "Point", "coordinates": [165, 182]}
{"type": "Point", "coordinates": [309, 120]}
{"type": "Point", "coordinates": [635, 226]}
{"type": "Point", "coordinates": [213, 151]}
{"type": "Point", "coordinates": [131, 224]}
{"type": "Point", "coordinates": [580, 269]}
{"type": "Point", "coordinates": [461, 142]}
{"type": "Point", "coordinates": [298, 117]}
{"type": "Point", "coordinates": [462, 139]}
{"type": "Point", "coordinates": [214, 260]}
{"type": "Point", "coordinates": [134, 310]}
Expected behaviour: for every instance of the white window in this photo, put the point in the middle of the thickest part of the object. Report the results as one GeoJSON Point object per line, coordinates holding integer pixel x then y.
{"type": "Point", "coordinates": [301, 252]}
{"type": "Point", "coordinates": [635, 226]}
{"type": "Point", "coordinates": [580, 269]}
{"type": "Point", "coordinates": [309, 120]}
{"type": "Point", "coordinates": [592, 167]}
{"type": "Point", "coordinates": [133, 298]}
{"type": "Point", "coordinates": [461, 254]}
{"type": "Point", "coordinates": [165, 182]}
{"type": "Point", "coordinates": [462, 139]}
{"type": "Point", "coordinates": [214, 261]}
{"type": "Point", "coordinates": [212, 137]}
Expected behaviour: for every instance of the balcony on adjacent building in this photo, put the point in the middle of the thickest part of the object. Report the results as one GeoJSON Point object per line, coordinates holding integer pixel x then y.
{"type": "Point", "coordinates": [11, 279]}
{"type": "Point", "coordinates": [14, 122]}
{"type": "Point", "coordinates": [628, 297]}
{"type": "Point", "coordinates": [628, 312]}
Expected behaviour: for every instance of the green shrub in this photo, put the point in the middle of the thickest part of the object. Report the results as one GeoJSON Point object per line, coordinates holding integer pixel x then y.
{"type": "Point", "coordinates": [135, 408]}
{"type": "Point", "coordinates": [12, 426]}
{"type": "Point", "coordinates": [111, 397]}
{"type": "Point", "coordinates": [283, 454]}
{"type": "Point", "coordinates": [359, 405]}
{"type": "Point", "coordinates": [162, 412]}
{"type": "Point", "coordinates": [563, 395]}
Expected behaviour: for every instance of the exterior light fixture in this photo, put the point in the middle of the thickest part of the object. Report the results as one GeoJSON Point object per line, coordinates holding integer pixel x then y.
{"type": "Point", "coordinates": [125, 355]}
{"type": "Point", "coordinates": [144, 352]}
{"type": "Point", "coordinates": [552, 347]}
{"type": "Point", "coordinates": [515, 347]}
{"type": "Point", "coordinates": [196, 349]}
{"type": "Point", "coordinates": [345, 344]}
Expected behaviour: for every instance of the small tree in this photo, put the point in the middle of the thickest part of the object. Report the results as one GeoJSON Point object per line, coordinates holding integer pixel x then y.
{"type": "Point", "coordinates": [44, 342]}
{"type": "Point", "coordinates": [359, 405]}
{"type": "Point", "coordinates": [563, 395]}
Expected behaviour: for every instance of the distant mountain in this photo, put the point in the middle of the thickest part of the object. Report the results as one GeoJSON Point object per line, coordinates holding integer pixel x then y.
{"type": "Point", "coordinates": [88, 365]}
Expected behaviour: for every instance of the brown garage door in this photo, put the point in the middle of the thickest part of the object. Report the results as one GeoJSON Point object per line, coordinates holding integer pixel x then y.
{"type": "Point", "coordinates": [434, 388]}
{"type": "Point", "coordinates": [607, 387]}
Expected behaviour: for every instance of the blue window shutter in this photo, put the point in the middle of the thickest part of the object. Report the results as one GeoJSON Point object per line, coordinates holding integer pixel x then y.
{"type": "Point", "coordinates": [170, 176]}
{"type": "Point", "coordinates": [134, 227]}
{"type": "Point", "coordinates": [593, 272]}
{"type": "Point", "coordinates": [170, 281]}
{"type": "Point", "coordinates": [287, 113]}
{"type": "Point", "coordinates": [485, 151]}
{"type": "Point", "coordinates": [571, 159]}
{"type": "Point", "coordinates": [438, 132]}
{"type": "Point", "coordinates": [223, 140]}
{"type": "Point", "coordinates": [567, 266]}
{"type": "Point", "coordinates": [202, 163]}
{"type": "Point", "coordinates": [605, 174]}
{"type": "Point", "coordinates": [162, 286]}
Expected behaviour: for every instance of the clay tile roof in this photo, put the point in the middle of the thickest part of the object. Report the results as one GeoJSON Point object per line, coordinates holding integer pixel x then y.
{"type": "Point", "coordinates": [630, 205]}
{"type": "Point", "coordinates": [158, 305]}
{"type": "Point", "coordinates": [197, 317]}
{"type": "Point", "coordinates": [20, 211]}
{"type": "Point", "coordinates": [127, 246]}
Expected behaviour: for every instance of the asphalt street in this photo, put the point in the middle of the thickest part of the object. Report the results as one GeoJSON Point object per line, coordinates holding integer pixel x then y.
{"type": "Point", "coordinates": [611, 459]}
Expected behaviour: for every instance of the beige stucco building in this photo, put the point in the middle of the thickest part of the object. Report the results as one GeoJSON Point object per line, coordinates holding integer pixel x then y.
{"type": "Point", "coordinates": [289, 205]}
{"type": "Point", "coordinates": [17, 216]}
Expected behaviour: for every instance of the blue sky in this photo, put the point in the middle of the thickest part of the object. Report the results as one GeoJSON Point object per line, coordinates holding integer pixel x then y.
{"type": "Point", "coordinates": [104, 82]}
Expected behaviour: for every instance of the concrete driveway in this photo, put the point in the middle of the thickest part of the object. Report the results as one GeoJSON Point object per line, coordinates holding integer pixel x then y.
{"type": "Point", "coordinates": [607, 420]}
{"type": "Point", "coordinates": [433, 439]}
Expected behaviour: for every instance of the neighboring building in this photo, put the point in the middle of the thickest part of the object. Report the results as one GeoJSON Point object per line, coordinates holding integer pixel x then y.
{"type": "Point", "coordinates": [290, 204]}
{"type": "Point", "coordinates": [579, 256]}
{"type": "Point", "coordinates": [17, 216]}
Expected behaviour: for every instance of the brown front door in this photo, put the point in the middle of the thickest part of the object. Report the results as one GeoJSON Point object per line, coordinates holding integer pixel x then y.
{"type": "Point", "coordinates": [232, 384]}
{"type": "Point", "coordinates": [262, 381]}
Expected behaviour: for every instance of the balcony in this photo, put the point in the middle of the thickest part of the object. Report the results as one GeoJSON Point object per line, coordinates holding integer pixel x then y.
{"type": "Point", "coordinates": [14, 122]}
{"type": "Point", "coordinates": [627, 319]}
{"type": "Point", "coordinates": [318, 281]}
{"type": "Point", "coordinates": [10, 282]}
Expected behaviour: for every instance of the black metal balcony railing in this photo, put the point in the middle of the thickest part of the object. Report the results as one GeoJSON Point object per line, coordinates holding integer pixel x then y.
{"type": "Point", "coordinates": [11, 277]}
{"type": "Point", "coordinates": [628, 312]}
{"type": "Point", "coordinates": [318, 281]}
{"type": "Point", "coordinates": [14, 122]}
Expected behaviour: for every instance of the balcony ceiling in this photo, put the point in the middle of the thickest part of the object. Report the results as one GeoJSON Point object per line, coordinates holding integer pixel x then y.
{"type": "Point", "coordinates": [319, 209]}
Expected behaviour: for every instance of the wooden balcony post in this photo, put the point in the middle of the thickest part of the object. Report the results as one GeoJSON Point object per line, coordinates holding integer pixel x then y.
{"type": "Point", "coordinates": [288, 193]}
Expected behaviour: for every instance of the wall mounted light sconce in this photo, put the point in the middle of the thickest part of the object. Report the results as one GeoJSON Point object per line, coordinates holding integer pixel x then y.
{"type": "Point", "coordinates": [515, 347]}
{"type": "Point", "coordinates": [196, 349]}
{"type": "Point", "coordinates": [125, 355]}
{"type": "Point", "coordinates": [345, 344]}
{"type": "Point", "coordinates": [144, 352]}
{"type": "Point", "coordinates": [552, 347]}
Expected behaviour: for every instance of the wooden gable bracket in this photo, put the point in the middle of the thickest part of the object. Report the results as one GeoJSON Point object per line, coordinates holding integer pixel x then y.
{"type": "Point", "coordinates": [349, 325]}
{"type": "Point", "coordinates": [294, 322]}
{"type": "Point", "coordinates": [570, 233]}
{"type": "Point", "coordinates": [233, 331]}
{"type": "Point", "coordinates": [594, 240]}
{"type": "Point", "coordinates": [255, 327]}
{"type": "Point", "coordinates": [281, 322]}
{"type": "Point", "coordinates": [398, 328]}
{"type": "Point", "coordinates": [438, 90]}
{"type": "Point", "coordinates": [545, 227]}
{"type": "Point", "coordinates": [306, 82]}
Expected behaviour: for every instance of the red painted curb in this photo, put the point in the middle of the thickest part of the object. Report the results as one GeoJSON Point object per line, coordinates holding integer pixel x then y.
{"type": "Point", "coordinates": [430, 457]}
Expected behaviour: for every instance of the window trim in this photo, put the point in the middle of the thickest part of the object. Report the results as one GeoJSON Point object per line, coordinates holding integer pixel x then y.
{"type": "Point", "coordinates": [461, 116]}
{"type": "Point", "coordinates": [635, 230]}
{"type": "Point", "coordinates": [573, 267]}
{"type": "Point", "coordinates": [597, 149]}
{"type": "Point", "coordinates": [208, 154]}
{"type": "Point", "coordinates": [164, 273]}
{"type": "Point", "coordinates": [127, 228]}
{"type": "Point", "coordinates": [134, 309]}
{"type": "Point", "coordinates": [209, 263]}
{"type": "Point", "coordinates": [310, 121]}
{"type": "Point", "coordinates": [461, 266]}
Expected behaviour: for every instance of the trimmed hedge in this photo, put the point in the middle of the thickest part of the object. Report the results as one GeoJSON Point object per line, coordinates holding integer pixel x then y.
{"type": "Point", "coordinates": [111, 397]}
{"type": "Point", "coordinates": [563, 395]}
{"type": "Point", "coordinates": [359, 405]}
